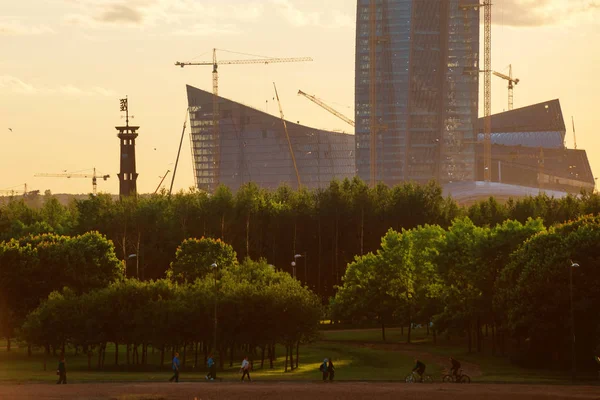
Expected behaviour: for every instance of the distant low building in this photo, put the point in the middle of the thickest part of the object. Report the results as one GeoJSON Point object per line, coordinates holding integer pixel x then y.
{"type": "Point", "coordinates": [252, 147]}
{"type": "Point", "coordinates": [468, 193]}
{"type": "Point", "coordinates": [528, 150]}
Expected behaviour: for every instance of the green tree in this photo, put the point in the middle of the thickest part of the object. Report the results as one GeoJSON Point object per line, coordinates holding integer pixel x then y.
{"type": "Point", "coordinates": [194, 258]}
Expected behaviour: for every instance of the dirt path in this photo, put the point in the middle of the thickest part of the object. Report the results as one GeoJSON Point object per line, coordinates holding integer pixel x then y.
{"type": "Point", "coordinates": [292, 390]}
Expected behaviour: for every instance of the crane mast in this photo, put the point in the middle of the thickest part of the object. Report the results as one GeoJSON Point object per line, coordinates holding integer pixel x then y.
{"type": "Point", "coordinates": [373, 89]}
{"type": "Point", "coordinates": [288, 138]}
{"type": "Point", "coordinates": [318, 102]}
{"type": "Point", "coordinates": [487, 61]}
{"type": "Point", "coordinates": [574, 137]}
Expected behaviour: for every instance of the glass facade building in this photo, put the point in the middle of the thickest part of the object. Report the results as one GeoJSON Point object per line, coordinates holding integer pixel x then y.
{"type": "Point", "coordinates": [251, 145]}
{"type": "Point", "coordinates": [416, 90]}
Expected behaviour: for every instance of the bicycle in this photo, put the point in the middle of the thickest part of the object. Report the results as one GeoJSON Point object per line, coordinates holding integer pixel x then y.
{"type": "Point", "coordinates": [458, 378]}
{"type": "Point", "coordinates": [414, 378]}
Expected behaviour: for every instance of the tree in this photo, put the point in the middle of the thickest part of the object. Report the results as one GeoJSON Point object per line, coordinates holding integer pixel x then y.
{"type": "Point", "coordinates": [35, 266]}
{"type": "Point", "coordinates": [194, 258]}
{"type": "Point", "coordinates": [367, 291]}
{"type": "Point", "coordinates": [535, 293]}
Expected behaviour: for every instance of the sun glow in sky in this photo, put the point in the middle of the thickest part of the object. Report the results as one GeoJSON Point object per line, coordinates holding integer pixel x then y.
{"type": "Point", "coordinates": [66, 63]}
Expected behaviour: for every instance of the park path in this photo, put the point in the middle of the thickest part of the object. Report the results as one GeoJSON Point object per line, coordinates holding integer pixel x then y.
{"type": "Point", "coordinates": [294, 390]}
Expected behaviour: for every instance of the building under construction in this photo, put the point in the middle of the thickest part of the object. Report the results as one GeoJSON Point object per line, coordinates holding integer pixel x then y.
{"type": "Point", "coordinates": [417, 77]}
{"type": "Point", "coordinates": [252, 146]}
{"type": "Point", "coordinates": [528, 150]}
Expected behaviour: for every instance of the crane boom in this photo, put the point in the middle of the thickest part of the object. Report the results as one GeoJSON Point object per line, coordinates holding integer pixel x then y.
{"type": "Point", "coordinates": [216, 114]}
{"type": "Point", "coordinates": [501, 75]}
{"type": "Point", "coordinates": [574, 137]}
{"type": "Point", "coordinates": [236, 62]}
{"type": "Point", "coordinates": [93, 175]}
{"type": "Point", "coordinates": [288, 138]}
{"type": "Point", "coordinates": [162, 180]}
{"type": "Point", "coordinates": [326, 107]}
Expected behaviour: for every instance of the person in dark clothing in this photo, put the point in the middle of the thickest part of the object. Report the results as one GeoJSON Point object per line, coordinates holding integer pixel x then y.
{"type": "Point", "coordinates": [455, 367]}
{"type": "Point", "coordinates": [175, 368]}
{"type": "Point", "coordinates": [323, 369]}
{"type": "Point", "coordinates": [62, 370]}
{"type": "Point", "coordinates": [419, 368]}
{"type": "Point", "coordinates": [331, 370]}
{"type": "Point", "coordinates": [212, 368]}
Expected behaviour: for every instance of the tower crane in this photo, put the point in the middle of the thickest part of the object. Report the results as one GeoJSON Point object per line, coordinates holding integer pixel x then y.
{"type": "Point", "coordinates": [13, 192]}
{"type": "Point", "coordinates": [326, 107]}
{"type": "Point", "coordinates": [511, 83]}
{"type": "Point", "coordinates": [215, 79]}
{"type": "Point", "coordinates": [93, 175]}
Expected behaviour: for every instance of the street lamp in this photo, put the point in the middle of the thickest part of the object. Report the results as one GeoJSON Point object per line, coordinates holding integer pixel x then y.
{"type": "Point", "coordinates": [297, 256]}
{"type": "Point", "coordinates": [294, 269]}
{"type": "Point", "coordinates": [214, 266]}
{"type": "Point", "coordinates": [573, 356]}
{"type": "Point", "coordinates": [137, 264]}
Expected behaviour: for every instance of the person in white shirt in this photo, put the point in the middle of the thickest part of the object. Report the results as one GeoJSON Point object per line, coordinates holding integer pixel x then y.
{"type": "Point", "coordinates": [245, 369]}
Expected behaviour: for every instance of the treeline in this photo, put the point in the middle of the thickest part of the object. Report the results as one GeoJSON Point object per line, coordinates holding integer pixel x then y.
{"type": "Point", "coordinates": [327, 227]}
{"type": "Point", "coordinates": [509, 282]}
{"type": "Point", "coordinates": [89, 303]}
{"type": "Point", "coordinates": [257, 308]}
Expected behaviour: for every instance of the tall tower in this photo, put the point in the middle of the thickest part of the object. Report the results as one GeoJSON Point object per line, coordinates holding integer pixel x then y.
{"type": "Point", "coordinates": [416, 90]}
{"type": "Point", "coordinates": [127, 134]}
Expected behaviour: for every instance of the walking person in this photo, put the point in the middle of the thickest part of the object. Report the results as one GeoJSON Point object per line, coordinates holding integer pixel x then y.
{"type": "Point", "coordinates": [245, 369]}
{"type": "Point", "coordinates": [331, 370]}
{"type": "Point", "coordinates": [212, 368]}
{"type": "Point", "coordinates": [62, 370]}
{"type": "Point", "coordinates": [323, 369]}
{"type": "Point", "coordinates": [175, 368]}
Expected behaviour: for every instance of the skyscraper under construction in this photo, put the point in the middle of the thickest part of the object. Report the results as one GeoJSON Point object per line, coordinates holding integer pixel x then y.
{"type": "Point", "coordinates": [417, 67]}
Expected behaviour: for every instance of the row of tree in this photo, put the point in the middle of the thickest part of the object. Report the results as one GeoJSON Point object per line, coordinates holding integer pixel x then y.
{"type": "Point", "coordinates": [57, 291]}
{"type": "Point", "coordinates": [327, 227]}
{"type": "Point", "coordinates": [511, 279]}
{"type": "Point", "coordinates": [256, 308]}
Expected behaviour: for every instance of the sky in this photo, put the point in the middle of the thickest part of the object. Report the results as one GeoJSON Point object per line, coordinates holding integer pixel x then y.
{"type": "Point", "coordinates": [65, 64]}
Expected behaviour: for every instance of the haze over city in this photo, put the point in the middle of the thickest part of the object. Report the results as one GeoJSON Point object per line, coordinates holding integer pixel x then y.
{"type": "Point", "coordinates": [66, 64]}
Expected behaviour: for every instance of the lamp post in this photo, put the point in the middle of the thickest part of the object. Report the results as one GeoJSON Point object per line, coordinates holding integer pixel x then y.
{"type": "Point", "coordinates": [303, 255]}
{"type": "Point", "coordinates": [573, 356]}
{"type": "Point", "coordinates": [137, 264]}
{"type": "Point", "coordinates": [294, 269]}
{"type": "Point", "coordinates": [214, 266]}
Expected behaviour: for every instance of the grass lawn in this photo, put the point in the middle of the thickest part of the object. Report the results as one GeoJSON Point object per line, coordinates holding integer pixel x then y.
{"type": "Point", "coordinates": [357, 355]}
{"type": "Point", "coordinates": [491, 368]}
{"type": "Point", "coordinates": [351, 362]}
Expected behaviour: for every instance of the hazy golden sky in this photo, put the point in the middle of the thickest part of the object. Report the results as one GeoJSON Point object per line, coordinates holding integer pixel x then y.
{"type": "Point", "coordinates": [65, 63]}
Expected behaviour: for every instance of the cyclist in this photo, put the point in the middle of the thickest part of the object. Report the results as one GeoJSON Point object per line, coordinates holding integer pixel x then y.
{"type": "Point", "coordinates": [455, 367]}
{"type": "Point", "coordinates": [419, 368]}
